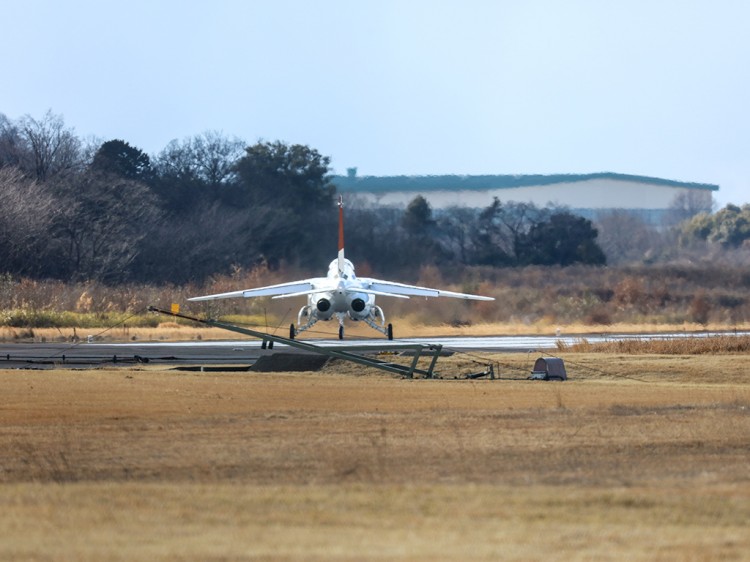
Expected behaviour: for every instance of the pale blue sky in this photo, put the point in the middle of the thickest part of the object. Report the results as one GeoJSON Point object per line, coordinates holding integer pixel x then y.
{"type": "Point", "coordinates": [649, 87]}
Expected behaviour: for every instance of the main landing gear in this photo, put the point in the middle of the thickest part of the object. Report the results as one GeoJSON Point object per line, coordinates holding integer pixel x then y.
{"type": "Point", "coordinates": [377, 314]}
{"type": "Point", "coordinates": [387, 331]}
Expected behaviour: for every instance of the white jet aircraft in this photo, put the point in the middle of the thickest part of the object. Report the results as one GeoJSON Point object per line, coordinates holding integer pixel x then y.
{"type": "Point", "coordinates": [341, 293]}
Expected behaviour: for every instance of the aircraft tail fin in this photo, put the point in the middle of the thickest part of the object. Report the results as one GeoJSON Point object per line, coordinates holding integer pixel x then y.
{"type": "Point", "coordinates": [341, 236]}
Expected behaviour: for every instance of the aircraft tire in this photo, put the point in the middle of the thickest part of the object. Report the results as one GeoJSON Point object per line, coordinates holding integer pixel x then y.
{"type": "Point", "coordinates": [341, 332]}
{"type": "Point", "coordinates": [291, 331]}
{"type": "Point", "coordinates": [390, 331]}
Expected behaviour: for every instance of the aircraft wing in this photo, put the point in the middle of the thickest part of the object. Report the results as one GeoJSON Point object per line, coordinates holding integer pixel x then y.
{"type": "Point", "coordinates": [282, 289]}
{"type": "Point", "coordinates": [393, 289]}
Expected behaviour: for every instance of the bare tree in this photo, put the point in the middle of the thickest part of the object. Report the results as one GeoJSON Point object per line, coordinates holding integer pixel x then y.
{"type": "Point", "coordinates": [46, 146]}
{"type": "Point", "coordinates": [216, 156]}
{"type": "Point", "coordinates": [457, 226]}
{"type": "Point", "coordinates": [687, 204]}
{"type": "Point", "coordinates": [195, 172]}
{"type": "Point", "coordinates": [626, 238]}
{"type": "Point", "coordinates": [102, 220]}
{"type": "Point", "coordinates": [205, 162]}
{"type": "Point", "coordinates": [212, 239]}
{"type": "Point", "coordinates": [27, 212]}
{"type": "Point", "coordinates": [501, 228]}
{"type": "Point", "coordinates": [11, 144]}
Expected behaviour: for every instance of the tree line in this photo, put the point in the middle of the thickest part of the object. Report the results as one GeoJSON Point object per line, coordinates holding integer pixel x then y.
{"type": "Point", "coordinates": [107, 211]}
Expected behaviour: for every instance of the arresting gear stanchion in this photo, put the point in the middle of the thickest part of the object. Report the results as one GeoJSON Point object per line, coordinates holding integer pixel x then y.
{"type": "Point", "coordinates": [268, 340]}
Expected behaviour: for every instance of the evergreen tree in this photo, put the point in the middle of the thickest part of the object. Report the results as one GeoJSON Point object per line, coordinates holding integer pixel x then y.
{"type": "Point", "coordinates": [564, 239]}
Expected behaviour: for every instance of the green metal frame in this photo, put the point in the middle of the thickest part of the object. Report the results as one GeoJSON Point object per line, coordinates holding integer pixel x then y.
{"type": "Point", "coordinates": [407, 371]}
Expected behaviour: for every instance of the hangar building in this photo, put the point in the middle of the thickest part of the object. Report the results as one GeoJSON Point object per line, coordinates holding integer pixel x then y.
{"type": "Point", "coordinates": [586, 194]}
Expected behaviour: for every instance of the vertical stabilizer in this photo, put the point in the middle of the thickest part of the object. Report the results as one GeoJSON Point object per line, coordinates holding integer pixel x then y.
{"type": "Point", "coordinates": [341, 236]}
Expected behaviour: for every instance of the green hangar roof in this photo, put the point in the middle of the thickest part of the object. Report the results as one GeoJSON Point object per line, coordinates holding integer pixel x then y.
{"type": "Point", "coordinates": [384, 184]}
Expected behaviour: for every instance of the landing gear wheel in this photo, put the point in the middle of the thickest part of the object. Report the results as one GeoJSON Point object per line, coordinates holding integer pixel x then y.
{"type": "Point", "coordinates": [292, 331]}
{"type": "Point", "coordinates": [270, 345]}
{"type": "Point", "coordinates": [341, 332]}
{"type": "Point", "coordinates": [390, 331]}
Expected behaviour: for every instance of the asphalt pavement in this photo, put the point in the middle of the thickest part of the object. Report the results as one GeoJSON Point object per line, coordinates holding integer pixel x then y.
{"type": "Point", "coordinates": [247, 351]}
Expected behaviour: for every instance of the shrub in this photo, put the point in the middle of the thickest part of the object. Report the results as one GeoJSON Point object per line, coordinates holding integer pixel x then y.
{"type": "Point", "coordinates": [700, 307]}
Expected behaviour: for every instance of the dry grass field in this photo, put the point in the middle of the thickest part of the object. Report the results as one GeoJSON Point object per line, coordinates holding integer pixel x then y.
{"type": "Point", "coordinates": [637, 457]}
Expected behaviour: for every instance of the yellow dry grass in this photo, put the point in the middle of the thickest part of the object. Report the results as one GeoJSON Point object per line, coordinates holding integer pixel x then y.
{"type": "Point", "coordinates": [673, 346]}
{"type": "Point", "coordinates": [403, 328]}
{"type": "Point", "coordinates": [635, 458]}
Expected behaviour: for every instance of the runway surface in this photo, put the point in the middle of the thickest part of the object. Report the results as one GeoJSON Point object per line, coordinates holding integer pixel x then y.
{"type": "Point", "coordinates": [246, 352]}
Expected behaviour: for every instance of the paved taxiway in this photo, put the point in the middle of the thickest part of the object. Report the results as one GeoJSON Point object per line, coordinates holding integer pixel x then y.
{"type": "Point", "coordinates": [238, 352]}
{"type": "Point", "coordinates": [40, 355]}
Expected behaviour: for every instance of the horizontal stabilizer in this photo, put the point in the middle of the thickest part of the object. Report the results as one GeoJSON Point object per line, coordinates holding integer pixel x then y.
{"type": "Point", "coordinates": [324, 289]}
{"type": "Point", "coordinates": [300, 293]}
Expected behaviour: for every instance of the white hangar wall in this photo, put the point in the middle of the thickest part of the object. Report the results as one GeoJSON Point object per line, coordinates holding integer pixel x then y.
{"type": "Point", "coordinates": [594, 192]}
